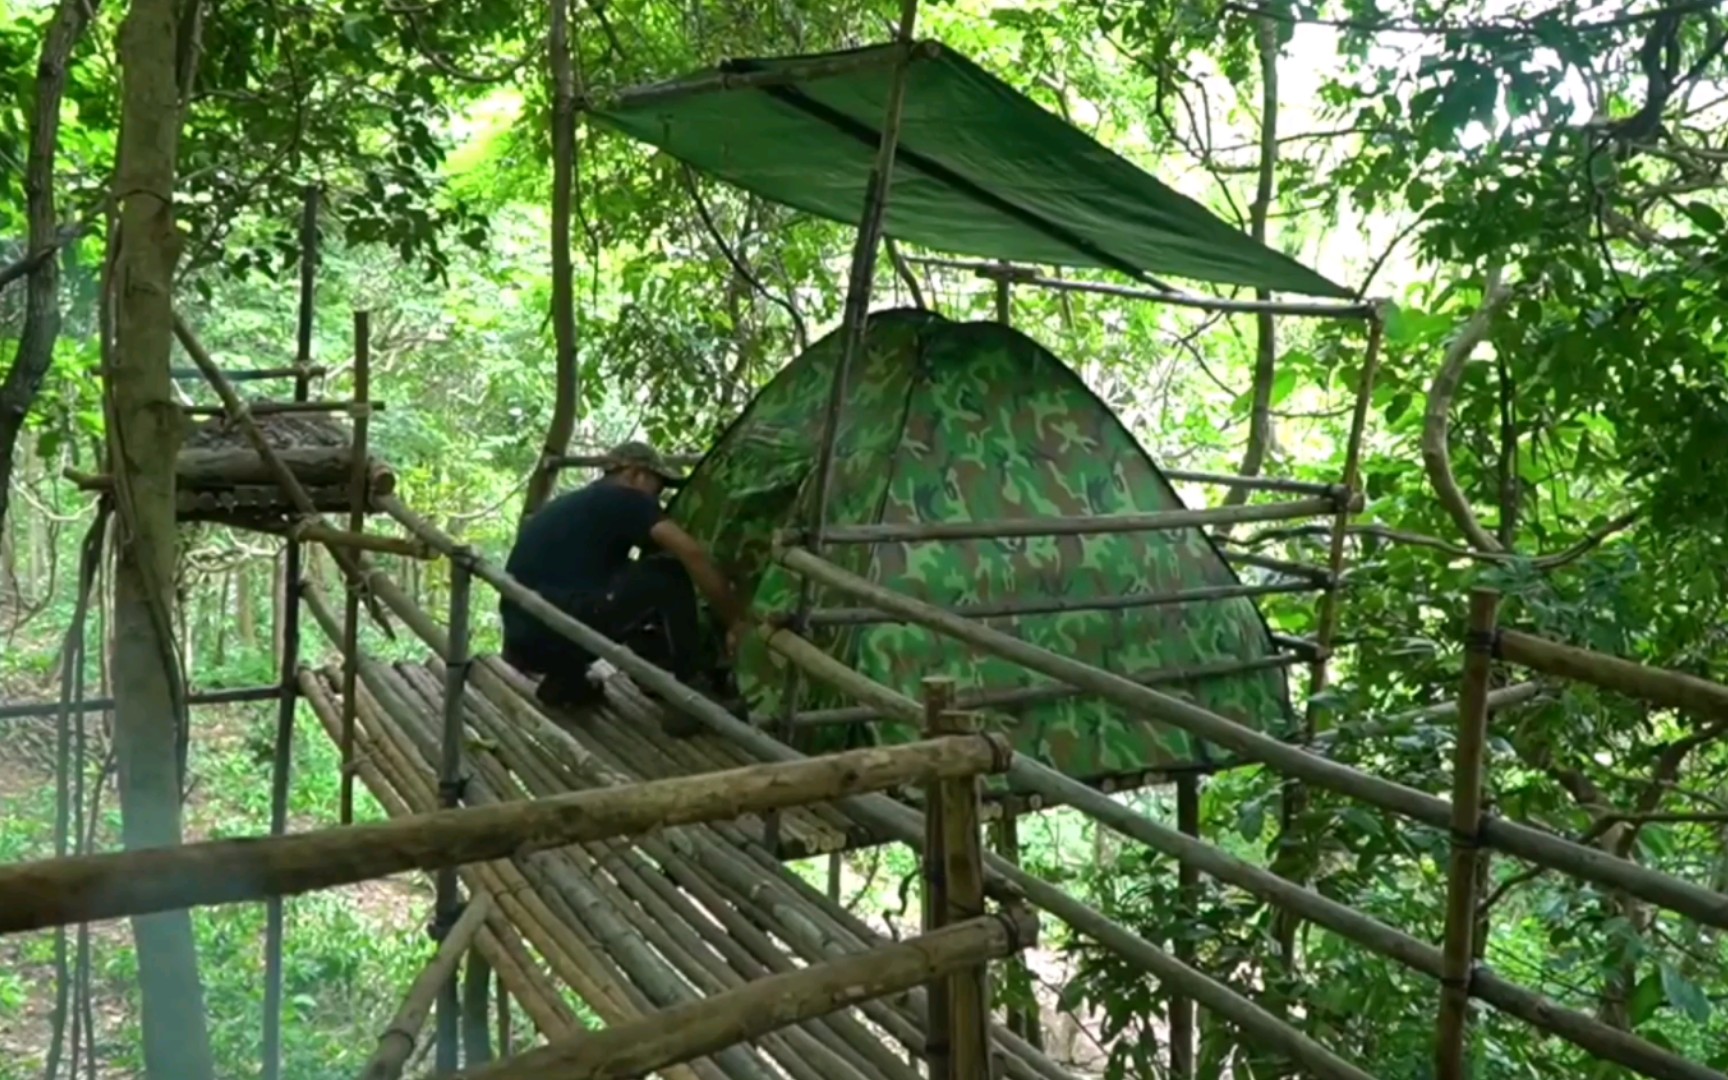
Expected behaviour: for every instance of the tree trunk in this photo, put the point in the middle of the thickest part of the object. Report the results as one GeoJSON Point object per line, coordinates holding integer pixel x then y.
{"type": "Point", "coordinates": [245, 621]}
{"type": "Point", "coordinates": [144, 435]}
{"type": "Point", "coordinates": [1266, 332]}
{"type": "Point", "coordinates": [42, 297]}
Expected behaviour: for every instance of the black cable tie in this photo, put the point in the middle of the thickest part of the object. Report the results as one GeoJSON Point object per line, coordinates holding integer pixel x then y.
{"type": "Point", "coordinates": [450, 792]}
{"type": "Point", "coordinates": [1480, 641]}
{"type": "Point", "coordinates": [443, 922]}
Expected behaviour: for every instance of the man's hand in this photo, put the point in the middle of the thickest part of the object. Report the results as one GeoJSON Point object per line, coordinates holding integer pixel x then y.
{"type": "Point", "coordinates": [735, 637]}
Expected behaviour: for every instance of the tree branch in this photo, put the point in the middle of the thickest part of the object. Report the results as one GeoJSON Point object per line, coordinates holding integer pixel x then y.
{"type": "Point", "coordinates": [1436, 458]}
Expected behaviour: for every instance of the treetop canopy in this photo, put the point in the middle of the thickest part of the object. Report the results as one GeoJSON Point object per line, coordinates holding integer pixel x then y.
{"type": "Point", "coordinates": [980, 170]}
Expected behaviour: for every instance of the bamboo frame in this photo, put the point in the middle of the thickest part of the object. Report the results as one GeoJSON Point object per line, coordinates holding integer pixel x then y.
{"type": "Point", "coordinates": [1182, 1029]}
{"type": "Point", "coordinates": [450, 782]}
{"type": "Point", "coordinates": [1098, 524]}
{"type": "Point", "coordinates": [1673, 689]}
{"type": "Point", "coordinates": [863, 616]}
{"type": "Point", "coordinates": [54, 892]}
{"type": "Point", "coordinates": [939, 1022]}
{"type": "Point", "coordinates": [1527, 843]}
{"type": "Point", "coordinates": [350, 642]}
{"type": "Point", "coordinates": [397, 1042]}
{"type": "Point", "coordinates": [192, 374]}
{"type": "Point", "coordinates": [282, 763]}
{"type": "Point", "coordinates": [239, 695]}
{"type": "Point", "coordinates": [1458, 953]}
{"type": "Point", "coordinates": [960, 859]}
{"type": "Point", "coordinates": [854, 317]}
{"type": "Point", "coordinates": [355, 409]}
{"type": "Point", "coordinates": [319, 532]}
{"type": "Point", "coordinates": [758, 1007]}
{"type": "Point", "coordinates": [1010, 274]}
{"type": "Point", "coordinates": [1584, 1031]}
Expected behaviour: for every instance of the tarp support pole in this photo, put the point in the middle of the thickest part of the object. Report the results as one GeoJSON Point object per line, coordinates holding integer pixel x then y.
{"type": "Point", "coordinates": [1182, 1030]}
{"type": "Point", "coordinates": [856, 317]}
{"type": "Point", "coordinates": [448, 907]}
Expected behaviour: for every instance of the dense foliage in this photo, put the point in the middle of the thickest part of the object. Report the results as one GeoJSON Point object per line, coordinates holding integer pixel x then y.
{"type": "Point", "coordinates": [1536, 186]}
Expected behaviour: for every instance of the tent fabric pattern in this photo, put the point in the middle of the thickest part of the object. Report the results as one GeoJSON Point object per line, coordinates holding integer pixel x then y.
{"type": "Point", "coordinates": [947, 421]}
{"type": "Point", "coordinates": [981, 170]}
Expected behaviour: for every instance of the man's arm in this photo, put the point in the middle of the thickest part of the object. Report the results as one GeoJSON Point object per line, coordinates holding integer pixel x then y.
{"type": "Point", "coordinates": [703, 571]}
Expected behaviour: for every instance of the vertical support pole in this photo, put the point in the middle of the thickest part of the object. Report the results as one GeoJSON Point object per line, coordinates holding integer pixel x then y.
{"type": "Point", "coordinates": [1188, 884]}
{"type": "Point", "coordinates": [836, 862]}
{"type": "Point", "coordinates": [281, 767]}
{"type": "Point", "coordinates": [1295, 793]}
{"type": "Point", "coordinates": [476, 998]}
{"type": "Point", "coordinates": [854, 318]}
{"type": "Point", "coordinates": [1457, 953]}
{"type": "Point", "coordinates": [505, 1049]}
{"type": "Point", "coordinates": [963, 883]}
{"type": "Point", "coordinates": [358, 498]}
{"type": "Point", "coordinates": [938, 1032]}
{"type": "Point", "coordinates": [450, 784]}
{"type": "Point", "coordinates": [1021, 1008]}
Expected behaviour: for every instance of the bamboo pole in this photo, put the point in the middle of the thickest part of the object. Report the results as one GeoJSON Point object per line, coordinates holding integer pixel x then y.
{"type": "Point", "coordinates": [1188, 884]}
{"type": "Point", "coordinates": [354, 409]}
{"type": "Point", "coordinates": [54, 892]}
{"type": "Point", "coordinates": [727, 79]}
{"type": "Point", "coordinates": [450, 782]}
{"type": "Point", "coordinates": [939, 1015]}
{"type": "Point", "coordinates": [1027, 276]}
{"type": "Point", "coordinates": [282, 763]}
{"type": "Point", "coordinates": [863, 616]}
{"type": "Point", "coordinates": [397, 1043]}
{"type": "Point", "coordinates": [962, 898]}
{"type": "Point", "coordinates": [239, 695]}
{"type": "Point", "coordinates": [317, 531]}
{"type": "Point", "coordinates": [1584, 1031]}
{"type": "Point", "coordinates": [350, 643]}
{"type": "Point", "coordinates": [476, 999]}
{"type": "Point", "coordinates": [1672, 689]}
{"type": "Point", "coordinates": [1528, 843]}
{"type": "Point", "coordinates": [687, 1031]}
{"type": "Point", "coordinates": [854, 321]}
{"type": "Point", "coordinates": [1458, 952]}
{"type": "Point", "coordinates": [184, 374]}
{"type": "Point", "coordinates": [1098, 524]}
{"type": "Point", "coordinates": [1010, 699]}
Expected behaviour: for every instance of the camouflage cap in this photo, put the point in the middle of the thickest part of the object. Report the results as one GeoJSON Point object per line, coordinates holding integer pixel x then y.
{"type": "Point", "coordinates": [639, 455]}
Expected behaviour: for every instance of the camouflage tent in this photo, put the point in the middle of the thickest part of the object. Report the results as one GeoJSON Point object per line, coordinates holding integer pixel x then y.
{"type": "Point", "coordinates": [947, 421]}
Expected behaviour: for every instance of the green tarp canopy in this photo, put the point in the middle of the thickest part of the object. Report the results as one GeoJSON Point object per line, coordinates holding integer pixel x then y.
{"type": "Point", "coordinates": [981, 169]}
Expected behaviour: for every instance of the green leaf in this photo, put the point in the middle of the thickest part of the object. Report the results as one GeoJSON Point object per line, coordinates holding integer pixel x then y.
{"type": "Point", "coordinates": [1704, 216]}
{"type": "Point", "coordinates": [1251, 820]}
{"type": "Point", "coordinates": [1684, 995]}
{"type": "Point", "coordinates": [1647, 997]}
{"type": "Point", "coordinates": [1282, 384]}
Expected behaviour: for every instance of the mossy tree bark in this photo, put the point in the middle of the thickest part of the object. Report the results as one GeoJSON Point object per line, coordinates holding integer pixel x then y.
{"type": "Point", "coordinates": [144, 436]}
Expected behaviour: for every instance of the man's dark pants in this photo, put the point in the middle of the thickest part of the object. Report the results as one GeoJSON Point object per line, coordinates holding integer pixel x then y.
{"type": "Point", "coordinates": [649, 607]}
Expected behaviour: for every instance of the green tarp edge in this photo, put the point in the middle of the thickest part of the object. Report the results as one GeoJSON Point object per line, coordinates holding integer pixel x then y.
{"type": "Point", "coordinates": [982, 170]}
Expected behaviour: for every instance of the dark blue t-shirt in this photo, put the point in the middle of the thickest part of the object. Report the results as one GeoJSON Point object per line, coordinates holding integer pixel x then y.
{"type": "Point", "coordinates": [579, 541]}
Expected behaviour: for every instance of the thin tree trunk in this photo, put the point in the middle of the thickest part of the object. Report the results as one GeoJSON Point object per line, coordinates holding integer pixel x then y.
{"type": "Point", "coordinates": [42, 296]}
{"type": "Point", "coordinates": [144, 436]}
{"type": "Point", "coordinates": [563, 274]}
{"type": "Point", "coordinates": [1266, 332]}
{"type": "Point", "coordinates": [1437, 420]}
{"type": "Point", "coordinates": [245, 621]}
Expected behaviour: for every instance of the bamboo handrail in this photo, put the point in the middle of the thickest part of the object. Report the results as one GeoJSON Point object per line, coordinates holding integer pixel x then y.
{"type": "Point", "coordinates": [397, 1042]}
{"type": "Point", "coordinates": [1674, 689]}
{"type": "Point", "coordinates": [748, 1012]}
{"type": "Point", "coordinates": [864, 616]}
{"type": "Point", "coordinates": [1086, 525]}
{"type": "Point", "coordinates": [56, 892]}
{"type": "Point", "coordinates": [1534, 845]}
{"type": "Point", "coordinates": [239, 695]}
{"type": "Point", "coordinates": [1585, 1031]}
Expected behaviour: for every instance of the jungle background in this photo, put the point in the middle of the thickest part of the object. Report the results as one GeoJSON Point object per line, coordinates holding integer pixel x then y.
{"type": "Point", "coordinates": [1535, 186]}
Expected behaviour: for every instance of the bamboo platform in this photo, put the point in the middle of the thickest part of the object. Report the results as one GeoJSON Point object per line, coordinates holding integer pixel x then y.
{"type": "Point", "coordinates": [632, 927]}
{"type": "Point", "coordinates": [222, 479]}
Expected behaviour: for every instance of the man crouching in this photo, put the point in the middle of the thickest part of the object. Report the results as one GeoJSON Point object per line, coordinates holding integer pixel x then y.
{"type": "Point", "coordinates": [575, 552]}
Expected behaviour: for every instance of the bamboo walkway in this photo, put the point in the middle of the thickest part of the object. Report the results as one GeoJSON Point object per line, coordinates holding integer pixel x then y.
{"type": "Point", "coordinates": [631, 927]}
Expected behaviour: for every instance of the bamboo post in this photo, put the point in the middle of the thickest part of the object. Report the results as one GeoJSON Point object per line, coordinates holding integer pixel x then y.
{"type": "Point", "coordinates": [1534, 845]}
{"type": "Point", "coordinates": [283, 762]}
{"type": "Point", "coordinates": [1021, 1012]}
{"type": "Point", "coordinates": [938, 1026]}
{"type": "Point", "coordinates": [353, 584]}
{"type": "Point", "coordinates": [1182, 1026]}
{"type": "Point", "coordinates": [476, 1000]}
{"type": "Point", "coordinates": [450, 783]}
{"type": "Point", "coordinates": [959, 859]}
{"type": "Point", "coordinates": [1458, 952]}
{"type": "Point", "coordinates": [397, 1043]}
{"type": "Point", "coordinates": [854, 319]}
